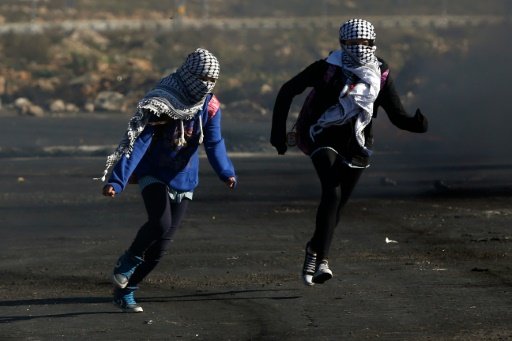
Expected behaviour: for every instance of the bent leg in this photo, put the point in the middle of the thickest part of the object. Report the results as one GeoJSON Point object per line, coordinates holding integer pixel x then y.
{"type": "Point", "coordinates": [158, 249]}
{"type": "Point", "coordinates": [349, 178]}
{"type": "Point", "coordinates": [337, 182]}
{"type": "Point", "coordinates": [158, 207]}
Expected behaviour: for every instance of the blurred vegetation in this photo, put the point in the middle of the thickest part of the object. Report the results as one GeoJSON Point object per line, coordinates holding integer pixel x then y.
{"type": "Point", "coordinates": [76, 66]}
{"type": "Point", "coordinates": [16, 10]}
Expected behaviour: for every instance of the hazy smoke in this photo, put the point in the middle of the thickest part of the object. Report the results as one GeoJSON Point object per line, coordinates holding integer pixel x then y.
{"type": "Point", "coordinates": [467, 97]}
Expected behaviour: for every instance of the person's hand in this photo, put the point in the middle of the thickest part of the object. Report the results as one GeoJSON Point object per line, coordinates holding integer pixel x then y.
{"type": "Point", "coordinates": [281, 149]}
{"type": "Point", "coordinates": [231, 182]}
{"type": "Point", "coordinates": [278, 141]}
{"type": "Point", "coordinates": [109, 191]}
{"type": "Point", "coordinates": [422, 119]}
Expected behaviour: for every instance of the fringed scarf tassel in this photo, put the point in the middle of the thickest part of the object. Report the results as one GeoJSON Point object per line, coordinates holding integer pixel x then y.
{"type": "Point", "coordinates": [181, 140]}
{"type": "Point", "coordinates": [102, 178]}
{"type": "Point", "coordinates": [201, 134]}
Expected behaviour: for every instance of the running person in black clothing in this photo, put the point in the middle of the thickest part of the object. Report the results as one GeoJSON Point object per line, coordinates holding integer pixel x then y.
{"type": "Point", "coordinates": [335, 127]}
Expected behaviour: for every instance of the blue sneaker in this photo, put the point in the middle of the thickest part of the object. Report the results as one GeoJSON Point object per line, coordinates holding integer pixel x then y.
{"type": "Point", "coordinates": [124, 299]}
{"type": "Point", "coordinates": [124, 269]}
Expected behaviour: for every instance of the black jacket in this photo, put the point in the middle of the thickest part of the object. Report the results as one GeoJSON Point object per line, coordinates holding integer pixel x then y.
{"type": "Point", "coordinates": [327, 81]}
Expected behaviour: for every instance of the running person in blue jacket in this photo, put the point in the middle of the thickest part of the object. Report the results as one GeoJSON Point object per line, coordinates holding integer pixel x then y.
{"type": "Point", "coordinates": [160, 152]}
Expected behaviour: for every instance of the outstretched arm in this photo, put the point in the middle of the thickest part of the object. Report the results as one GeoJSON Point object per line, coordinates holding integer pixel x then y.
{"type": "Point", "coordinates": [216, 151]}
{"type": "Point", "coordinates": [124, 168]}
{"type": "Point", "coordinates": [391, 103]}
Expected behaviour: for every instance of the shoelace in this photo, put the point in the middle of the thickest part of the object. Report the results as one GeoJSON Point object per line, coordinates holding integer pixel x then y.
{"type": "Point", "coordinates": [324, 264]}
{"type": "Point", "coordinates": [129, 299]}
{"type": "Point", "coordinates": [310, 263]}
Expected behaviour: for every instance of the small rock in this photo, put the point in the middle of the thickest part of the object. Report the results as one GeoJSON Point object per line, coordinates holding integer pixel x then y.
{"type": "Point", "coordinates": [109, 101]}
{"type": "Point", "coordinates": [89, 107]}
{"type": "Point", "coordinates": [35, 110]}
{"type": "Point", "coordinates": [70, 107]}
{"type": "Point", "coordinates": [57, 106]}
{"type": "Point", "coordinates": [387, 182]}
{"type": "Point", "coordinates": [440, 185]}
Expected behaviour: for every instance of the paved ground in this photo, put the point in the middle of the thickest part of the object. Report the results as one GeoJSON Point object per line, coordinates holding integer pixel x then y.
{"type": "Point", "coordinates": [233, 271]}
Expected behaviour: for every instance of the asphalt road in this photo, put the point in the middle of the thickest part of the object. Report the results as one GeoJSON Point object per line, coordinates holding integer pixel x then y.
{"type": "Point", "coordinates": [233, 271]}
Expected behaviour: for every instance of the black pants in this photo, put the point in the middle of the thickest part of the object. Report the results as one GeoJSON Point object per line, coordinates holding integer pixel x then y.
{"type": "Point", "coordinates": [154, 237]}
{"type": "Point", "coordinates": [338, 181]}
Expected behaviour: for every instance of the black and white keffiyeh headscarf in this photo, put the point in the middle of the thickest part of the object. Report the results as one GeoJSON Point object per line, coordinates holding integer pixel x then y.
{"type": "Point", "coordinates": [178, 96]}
{"type": "Point", "coordinates": [357, 55]}
{"type": "Point", "coordinates": [200, 66]}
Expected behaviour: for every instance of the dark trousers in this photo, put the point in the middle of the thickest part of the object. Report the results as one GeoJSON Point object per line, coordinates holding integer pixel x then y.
{"type": "Point", "coordinates": [154, 237]}
{"type": "Point", "coordinates": [338, 181]}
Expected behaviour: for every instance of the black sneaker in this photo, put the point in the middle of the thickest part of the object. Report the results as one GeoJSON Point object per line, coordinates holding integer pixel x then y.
{"type": "Point", "coordinates": [124, 269]}
{"type": "Point", "coordinates": [309, 267]}
{"type": "Point", "coordinates": [322, 273]}
{"type": "Point", "coordinates": [124, 299]}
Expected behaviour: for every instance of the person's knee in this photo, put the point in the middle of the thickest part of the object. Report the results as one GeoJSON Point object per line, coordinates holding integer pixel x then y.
{"type": "Point", "coordinates": [331, 195]}
{"type": "Point", "coordinates": [160, 223]}
{"type": "Point", "coordinates": [154, 255]}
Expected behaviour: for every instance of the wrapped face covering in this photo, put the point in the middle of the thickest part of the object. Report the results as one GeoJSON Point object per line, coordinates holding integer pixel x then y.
{"type": "Point", "coordinates": [357, 55]}
{"type": "Point", "coordinates": [361, 68]}
{"type": "Point", "coordinates": [199, 73]}
{"type": "Point", "coordinates": [181, 94]}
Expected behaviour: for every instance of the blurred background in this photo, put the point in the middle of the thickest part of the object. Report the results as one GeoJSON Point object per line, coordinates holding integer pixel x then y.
{"type": "Point", "coordinates": [66, 65]}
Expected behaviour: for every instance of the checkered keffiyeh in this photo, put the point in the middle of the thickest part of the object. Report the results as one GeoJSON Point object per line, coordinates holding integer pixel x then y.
{"type": "Point", "coordinates": [179, 96]}
{"type": "Point", "coordinates": [357, 55]}
{"type": "Point", "coordinates": [200, 63]}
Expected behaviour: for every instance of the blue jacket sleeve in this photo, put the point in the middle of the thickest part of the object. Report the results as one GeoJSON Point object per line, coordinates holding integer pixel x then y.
{"type": "Point", "coordinates": [124, 168]}
{"type": "Point", "coordinates": [216, 149]}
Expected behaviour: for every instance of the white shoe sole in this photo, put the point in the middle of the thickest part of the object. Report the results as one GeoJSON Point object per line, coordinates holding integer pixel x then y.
{"type": "Point", "coordinates": [137, 309]}
{"type": "Point", "coordinates": [133, 310]}
{"type": "Point", "coordinates": [308, 280]}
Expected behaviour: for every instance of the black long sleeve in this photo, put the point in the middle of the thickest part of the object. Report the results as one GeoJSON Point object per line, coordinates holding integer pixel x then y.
{"type": "Point", "coordinates": [326, 94]}
{"type": "Point", "coordinates": [295, 86]}
{"type": "Point", "coordinates": [390, 101]}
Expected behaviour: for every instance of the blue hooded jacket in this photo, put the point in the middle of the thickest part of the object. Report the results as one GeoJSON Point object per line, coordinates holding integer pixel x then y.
{"type": "Point", "coordinates": [155, 154]}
